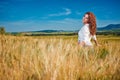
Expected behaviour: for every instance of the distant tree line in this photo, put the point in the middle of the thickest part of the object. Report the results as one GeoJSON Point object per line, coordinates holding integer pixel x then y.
{"type": "Point", "coordinates": [64, 34]}
{"type": "Point", "coordinates": [50, 34]}
{"type": "Point", "coordinates": [115, 33]}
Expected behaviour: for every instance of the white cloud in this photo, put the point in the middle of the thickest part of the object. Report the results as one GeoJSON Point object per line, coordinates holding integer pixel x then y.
{"type": "Point", "coordinates": [35, 25]}
{"type": "Point", "coordinates": [66, 12]}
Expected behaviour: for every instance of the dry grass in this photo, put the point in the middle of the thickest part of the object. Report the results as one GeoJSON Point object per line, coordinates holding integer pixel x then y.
{"type": "Point", "coordinates": [58, 58]}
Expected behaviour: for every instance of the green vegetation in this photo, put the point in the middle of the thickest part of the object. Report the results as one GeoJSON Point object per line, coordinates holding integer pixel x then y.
{"type": "Point", "coordinates": [2, 30]}
{"type": "Point", "coordinates": [109, 32]}
{"type": "Point", "coordinates": [72, 33]}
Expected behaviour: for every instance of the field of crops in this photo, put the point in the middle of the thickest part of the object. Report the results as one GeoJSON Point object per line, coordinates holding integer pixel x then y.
{"type": "Point", "coordinates": [58, 58]}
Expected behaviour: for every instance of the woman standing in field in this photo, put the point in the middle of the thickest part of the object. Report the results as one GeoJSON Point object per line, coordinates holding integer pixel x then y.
{"type": "Point", "coordinates": [88, 31]}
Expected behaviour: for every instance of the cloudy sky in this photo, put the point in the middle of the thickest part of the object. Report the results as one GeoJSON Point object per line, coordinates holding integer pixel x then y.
{"type": "Point", "coordinates": [35, 15]}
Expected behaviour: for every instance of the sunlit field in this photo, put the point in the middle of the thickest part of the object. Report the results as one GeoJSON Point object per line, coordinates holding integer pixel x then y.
{"type": "Point", "coordinates": [58, 58]}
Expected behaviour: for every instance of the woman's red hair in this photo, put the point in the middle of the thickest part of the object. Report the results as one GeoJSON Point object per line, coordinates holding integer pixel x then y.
{"type": "Point", "coordinates": [92, 23]}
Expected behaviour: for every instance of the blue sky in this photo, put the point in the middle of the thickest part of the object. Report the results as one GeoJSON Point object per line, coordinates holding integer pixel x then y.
{"type": "Point", "coordinates": [34, 15]}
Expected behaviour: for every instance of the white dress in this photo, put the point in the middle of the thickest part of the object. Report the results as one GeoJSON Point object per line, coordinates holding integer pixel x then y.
{"type": "Point", "coordinates": [84, 35]}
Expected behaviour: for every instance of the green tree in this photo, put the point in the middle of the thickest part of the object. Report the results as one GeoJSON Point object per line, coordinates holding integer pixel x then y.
{"type": "Point", "coordinates": [2, 30]}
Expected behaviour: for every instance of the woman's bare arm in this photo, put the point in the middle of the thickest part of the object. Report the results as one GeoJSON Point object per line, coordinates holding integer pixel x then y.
{"type": "Point", "coordinates": [81, 43]}
{"type": "Point", "coordinates": [96, 42]}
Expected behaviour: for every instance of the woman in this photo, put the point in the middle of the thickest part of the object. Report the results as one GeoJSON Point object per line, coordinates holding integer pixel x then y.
{"type": "Point", "coordinates": [88, 31]}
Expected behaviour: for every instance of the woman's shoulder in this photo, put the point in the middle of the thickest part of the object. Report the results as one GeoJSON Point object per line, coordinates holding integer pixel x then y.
{"type": "Point", "coordinates": [86, 26]}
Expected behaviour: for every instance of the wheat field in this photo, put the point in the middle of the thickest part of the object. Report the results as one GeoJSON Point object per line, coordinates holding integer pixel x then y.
{"type": "Point", "coordinates": [58, 58]}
